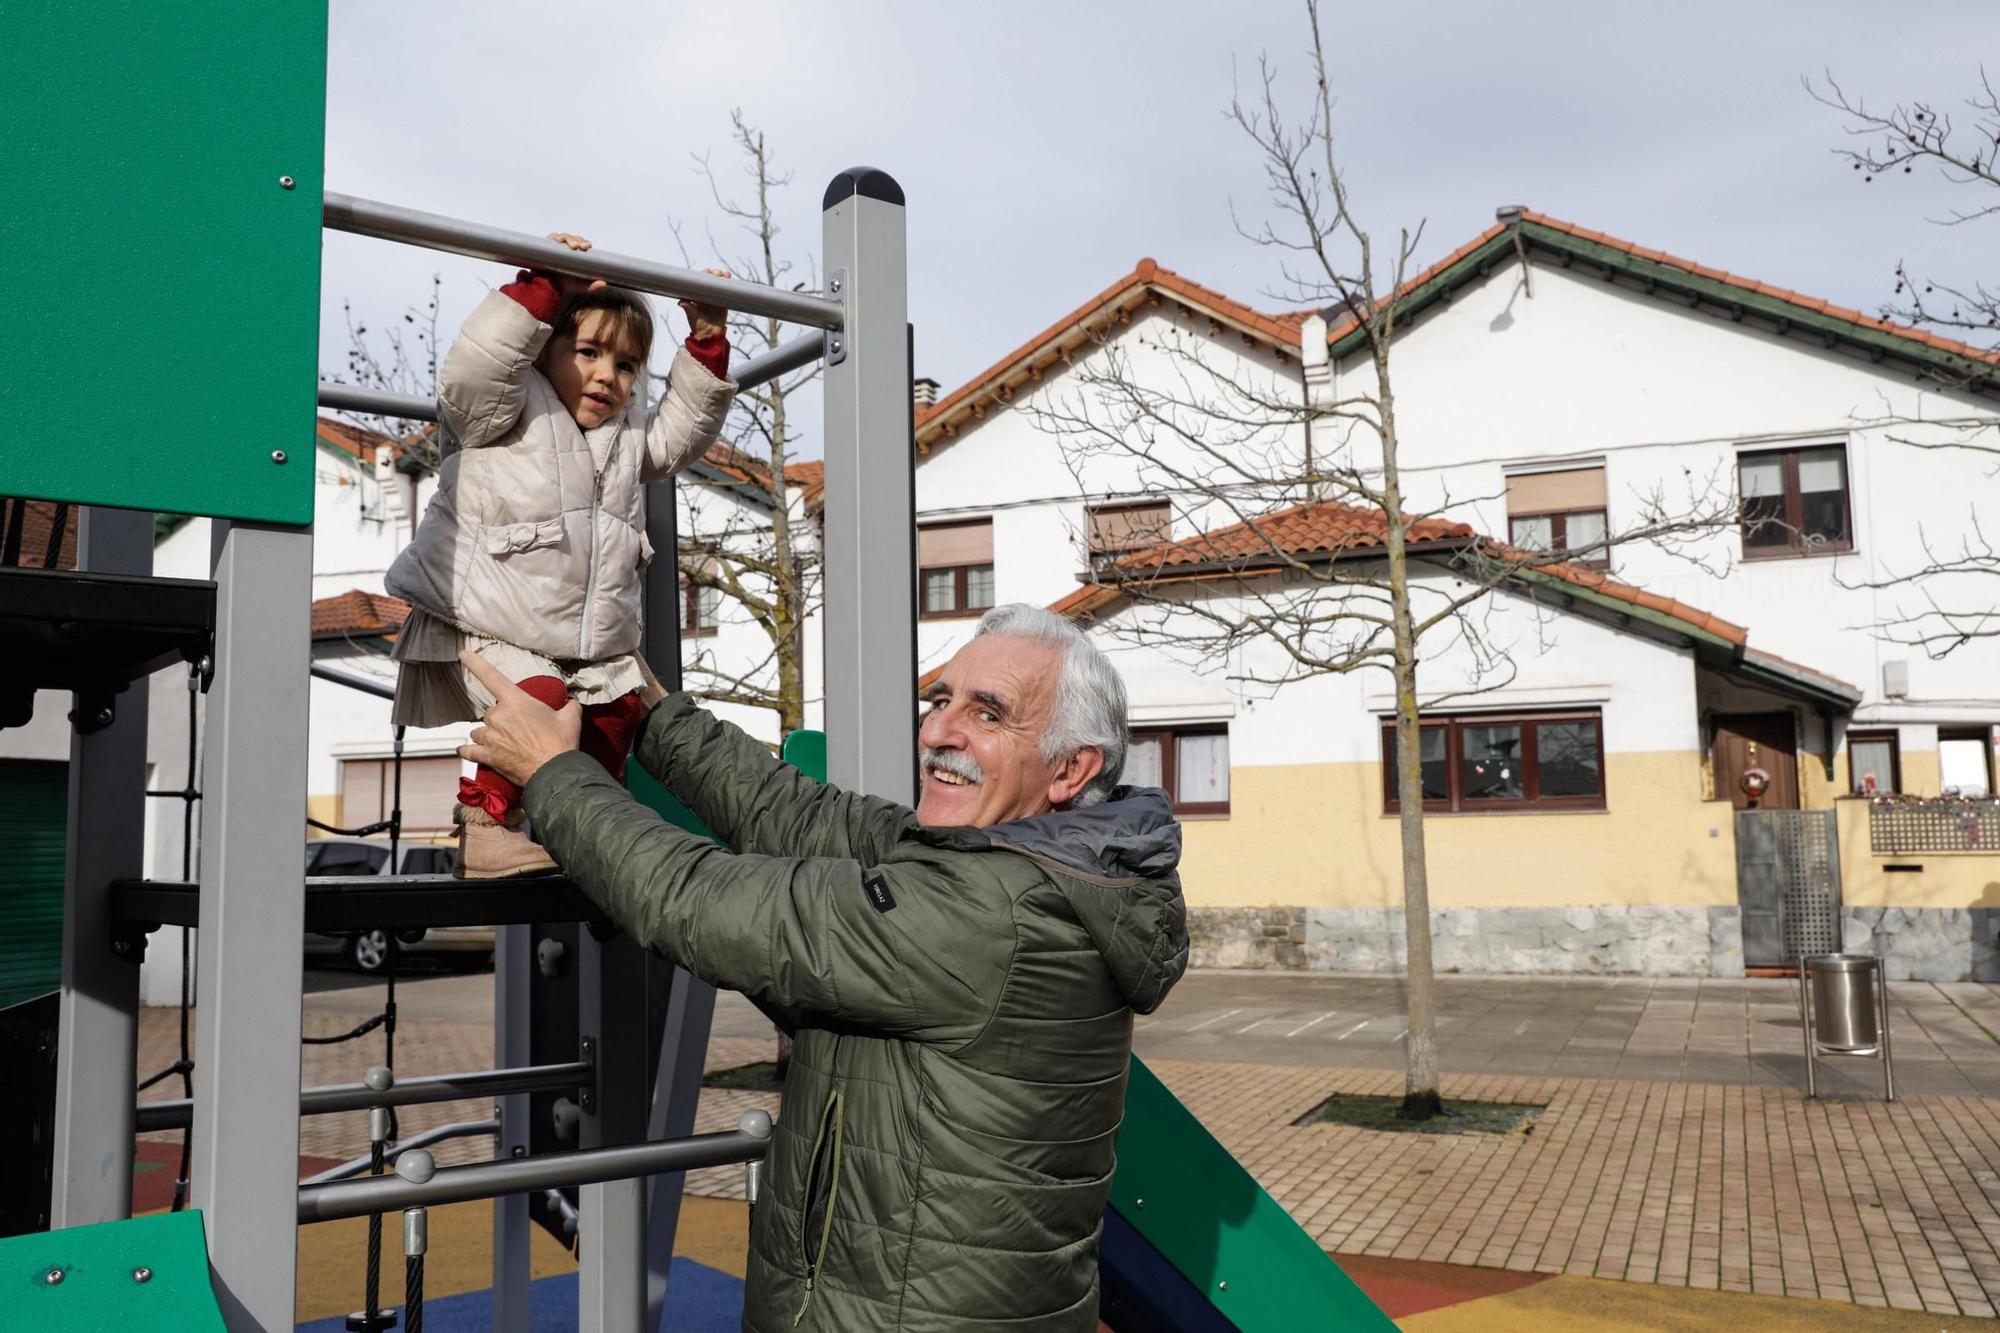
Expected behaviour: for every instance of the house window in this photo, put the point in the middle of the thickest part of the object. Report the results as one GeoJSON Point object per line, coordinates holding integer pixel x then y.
{"type": "Point", "coordinates": [1541, 761]}
{"type": "Point", "coordinates": [1874, 763]}
{"type": "Point", "coordinates": [430, 792]}
{"type": "Point", "coordinates": [1965, 761]}
{"type": "Point", "coordinates": [1191, 763]}
{"type": "Point", "coordinates": [955, 568]}
{"type": "Point", "coordinates": [701, 608]}
{"type": "Point", "coordinates": [1119, 529]}
{"type": "Point", "coordinates": [1794, 501]}
{"type": "Point", "coordinates": [1560, 512]}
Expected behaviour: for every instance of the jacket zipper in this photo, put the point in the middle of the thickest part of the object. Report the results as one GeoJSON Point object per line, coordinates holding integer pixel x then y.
{"type": "Point", "coordinates": [590, 574]}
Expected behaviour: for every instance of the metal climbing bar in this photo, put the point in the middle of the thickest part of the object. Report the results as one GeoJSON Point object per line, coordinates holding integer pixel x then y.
{"type": "Point", "coordinates": [391, 222]}
{"type": "Point", "coordinates": [338, 1097]}
{"type": "Point", "coordinates": [800, 351]}
{"type": "Point", "coordinates": [489, 1180]}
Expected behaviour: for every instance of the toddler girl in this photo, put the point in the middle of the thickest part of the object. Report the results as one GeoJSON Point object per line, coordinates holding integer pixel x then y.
{"type": "Point", "coordinates": [532, 551]}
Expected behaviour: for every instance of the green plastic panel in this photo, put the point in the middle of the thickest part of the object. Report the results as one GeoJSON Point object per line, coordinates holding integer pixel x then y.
{"type": "Point", "coordinates": [100, 1291]}
{"type": "Point", "coordinates": [162, 331]}
{"type": "Point", "coordinates": [803, 750]}
{"type": "Point", "coordinates": [34, 811]}
{"type": "Point", "coordinates": [1211, 1220]}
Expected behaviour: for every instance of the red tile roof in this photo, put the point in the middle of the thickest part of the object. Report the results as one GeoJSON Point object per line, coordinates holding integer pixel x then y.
{"type": "Point", "coordinates": [1331, 528]}
{"type": "Point", "coordinates": [1281, 331]}
{"type": "Point", "coordinates": [362, 444]}
{"type": "Point", "coordinates": [358, 615]}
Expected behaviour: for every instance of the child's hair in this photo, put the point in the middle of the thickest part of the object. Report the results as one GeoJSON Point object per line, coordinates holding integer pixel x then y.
{"type": "Point", "coordinates": [631, 318]}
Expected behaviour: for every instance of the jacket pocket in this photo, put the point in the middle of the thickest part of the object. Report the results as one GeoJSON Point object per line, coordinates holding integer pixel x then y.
{"type": "Point", "coordinates": [504, 539]}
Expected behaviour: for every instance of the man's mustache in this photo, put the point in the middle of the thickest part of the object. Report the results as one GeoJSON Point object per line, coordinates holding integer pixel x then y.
{"type": "Point", "coordinates": [953, 761]}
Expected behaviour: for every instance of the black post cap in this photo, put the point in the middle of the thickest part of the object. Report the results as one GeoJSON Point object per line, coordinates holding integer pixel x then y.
{"type": "Point", "coordinates": [868, 182]}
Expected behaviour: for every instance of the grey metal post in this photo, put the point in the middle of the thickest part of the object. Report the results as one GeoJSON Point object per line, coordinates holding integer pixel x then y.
{"type": "Point", "coordinates": [99, 1008]}
{"type": "Point", "coordinates": [690, 1002]}
{"type": "Point", "coordinates": [871, 648]}
{"type": "Point", "coordinates": [611, 1216]}
{"type": "Point", "coordinates": [246, 1130]}
{"type": "Point", "coordinates": [513, 951]}
{"type": "Point", "coordinates": [676, 1091]}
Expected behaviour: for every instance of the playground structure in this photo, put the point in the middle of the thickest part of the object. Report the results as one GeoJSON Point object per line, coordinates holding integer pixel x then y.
{"type": "Point", "coordinates": [248, 149]}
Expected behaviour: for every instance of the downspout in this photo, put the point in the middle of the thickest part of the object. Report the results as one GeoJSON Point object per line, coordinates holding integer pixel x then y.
{"type": "Point", "coordinates": [1316, 382]}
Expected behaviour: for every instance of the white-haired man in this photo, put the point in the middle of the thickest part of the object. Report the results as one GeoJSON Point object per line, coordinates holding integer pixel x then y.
{"type": "Point", "coordinates": [962, 977]}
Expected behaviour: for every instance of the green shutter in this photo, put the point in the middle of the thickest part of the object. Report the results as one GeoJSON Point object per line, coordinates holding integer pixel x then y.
{"type": "Point", "coordinates": [34, 819]}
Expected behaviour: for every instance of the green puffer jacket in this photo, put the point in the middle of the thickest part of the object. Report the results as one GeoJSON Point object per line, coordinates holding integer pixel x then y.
{"type": "Point", "coordinates": [964, 1000]}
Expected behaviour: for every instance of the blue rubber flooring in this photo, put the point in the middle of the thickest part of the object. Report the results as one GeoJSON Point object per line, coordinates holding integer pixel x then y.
{"type": "Point", "coordinates": [700, 1299]}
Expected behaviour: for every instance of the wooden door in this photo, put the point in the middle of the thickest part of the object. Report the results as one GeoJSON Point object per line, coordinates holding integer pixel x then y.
{"type": "Point", "coordinates": [1748, 741]}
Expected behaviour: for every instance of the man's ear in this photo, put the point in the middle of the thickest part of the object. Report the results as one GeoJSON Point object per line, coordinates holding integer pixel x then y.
{"type": "Point", "coordinates": [1074, 774]}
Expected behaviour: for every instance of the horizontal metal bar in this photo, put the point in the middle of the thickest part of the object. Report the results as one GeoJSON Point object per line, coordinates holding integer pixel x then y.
{"type": "Point", "coordinates": [786, 356]}
{"type": "Point", "coordinates": [390, 222]}
{"type": "Point", "coordinates": [374, 687]}
{"type": "Point", "coordinates": [343, 904]}
{"type": "Point", "coordinates": [376, 402]}
{"type": "Point", "coordinates": [354, 1166]}
{"type": "Point", "coordinates": [492, 1180]}
{"type": "Point", "coordinates": [410, 1092]}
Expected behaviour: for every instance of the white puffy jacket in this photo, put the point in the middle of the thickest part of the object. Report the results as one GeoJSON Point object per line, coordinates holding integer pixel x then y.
{"type": "Point", "coordinates": [530, 539]}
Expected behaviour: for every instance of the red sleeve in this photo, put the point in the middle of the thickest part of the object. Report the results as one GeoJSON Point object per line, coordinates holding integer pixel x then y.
{"type": "Point", "coordinates": [712, 352]}
{"type": "Point", "coordinates": [537, 294]}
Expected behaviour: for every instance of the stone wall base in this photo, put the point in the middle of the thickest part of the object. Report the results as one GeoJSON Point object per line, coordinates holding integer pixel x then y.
{"type": "Point", "coordinates": [1643, 941]}
{"type": "Point", "coordinates": [1928, 943]}
{"type": "Point", "coordinates": [1923, 944]}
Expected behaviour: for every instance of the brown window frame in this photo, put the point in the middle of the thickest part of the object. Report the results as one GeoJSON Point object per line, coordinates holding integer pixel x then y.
{"type": "Point", "coordinates": [1102, 554]}
{"type": "Point", "coordinates": [1169, 738]}
{"type": "Point", "coordinates": [1559, 535]}
{"type": "Point", "coordinates": [1894, 738]}
{"type": "Point", "coordinates": [1454, 755]}
{"type": "Point", "coordinates": [691, 626]}
{"type": "Point", "coordinates": [958, 610]}
{"type": "Point", "coordinates": [1796, 543]}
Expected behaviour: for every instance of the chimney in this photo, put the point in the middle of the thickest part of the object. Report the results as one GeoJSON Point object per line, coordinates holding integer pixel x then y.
{"type": "Point", "coordinates": [924, 392]}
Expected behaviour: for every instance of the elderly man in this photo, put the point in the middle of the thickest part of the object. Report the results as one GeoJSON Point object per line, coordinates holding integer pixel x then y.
{"type": "Point", "coordinates": [963, 977]}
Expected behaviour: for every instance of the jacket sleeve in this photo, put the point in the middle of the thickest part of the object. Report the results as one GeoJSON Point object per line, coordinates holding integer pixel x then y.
{"type": "Point", "coordinates": [918, 947]}
{"type": "Point", "coordinates": [689, 418]}
{"type": "Point", "coordinates": [483, 384]}
{"type": "Point", "coordinates": [755, 802]}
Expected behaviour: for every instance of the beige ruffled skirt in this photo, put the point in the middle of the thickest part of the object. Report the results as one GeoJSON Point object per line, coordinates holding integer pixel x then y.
{"type": "Point", "coordinates": [433, 689]}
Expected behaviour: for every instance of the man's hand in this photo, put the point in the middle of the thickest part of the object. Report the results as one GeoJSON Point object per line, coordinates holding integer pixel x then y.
{"type": "Point", "coordinates": [705, 321]}
{"type": "Point", "coordinates": [652, 692]}
{"type": "Point", "coordinates": [519, 733]}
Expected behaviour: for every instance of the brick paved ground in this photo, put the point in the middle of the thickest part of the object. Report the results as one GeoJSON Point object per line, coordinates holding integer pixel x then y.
{"type": "Point", "coordinates": [1737, 1186]}
{"type": "Point", "coordinates": [1701, 1185]}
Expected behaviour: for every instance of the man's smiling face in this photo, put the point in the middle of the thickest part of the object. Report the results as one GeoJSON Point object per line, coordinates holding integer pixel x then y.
{"type": "Point", "coordinates": [981, 735]}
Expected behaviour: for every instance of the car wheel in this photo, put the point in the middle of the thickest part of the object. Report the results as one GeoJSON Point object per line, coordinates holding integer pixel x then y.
{"type": "Point", "coordinates": [369, 950]}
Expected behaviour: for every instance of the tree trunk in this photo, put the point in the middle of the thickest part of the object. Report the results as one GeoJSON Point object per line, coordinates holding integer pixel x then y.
{"type": "Point", "coordinates": [1420, 1081]}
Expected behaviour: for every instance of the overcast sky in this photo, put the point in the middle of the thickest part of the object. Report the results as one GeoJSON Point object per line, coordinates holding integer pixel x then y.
{"type": "Point", "coordinates": [1045, 147]}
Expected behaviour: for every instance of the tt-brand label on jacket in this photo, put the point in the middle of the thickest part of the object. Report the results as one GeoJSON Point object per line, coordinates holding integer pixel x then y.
{"type": "Point", "coordinates": [876, 885]}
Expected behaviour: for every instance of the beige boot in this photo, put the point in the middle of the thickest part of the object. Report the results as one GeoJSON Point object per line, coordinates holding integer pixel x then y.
{"type": "Point", "coordinates": [489, 849]}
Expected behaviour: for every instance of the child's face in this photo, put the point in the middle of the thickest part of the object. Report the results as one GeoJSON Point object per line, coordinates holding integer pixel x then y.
{"type": "Point", "coordinates": [593, 370]}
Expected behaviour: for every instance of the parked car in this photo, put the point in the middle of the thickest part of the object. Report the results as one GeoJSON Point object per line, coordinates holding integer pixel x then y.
{"type": "Point", "coordinates": [368, 950]}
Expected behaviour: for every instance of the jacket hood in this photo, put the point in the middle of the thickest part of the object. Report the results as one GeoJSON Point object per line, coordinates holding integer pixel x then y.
{"type": "Point", "coordinates": [1120, 856]}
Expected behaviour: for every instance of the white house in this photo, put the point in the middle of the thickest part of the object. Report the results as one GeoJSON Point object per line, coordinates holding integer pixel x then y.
{"type": "Point", "coordinates": [1554, 387]}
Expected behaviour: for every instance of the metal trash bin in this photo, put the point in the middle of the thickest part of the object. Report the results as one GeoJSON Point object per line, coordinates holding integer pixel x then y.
{"type": "Point", "coordinates": [1844, 1002]}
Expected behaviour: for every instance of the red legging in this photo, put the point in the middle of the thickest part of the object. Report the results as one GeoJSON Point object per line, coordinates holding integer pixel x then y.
{"type": "Point", "coordinates": [608, 730]}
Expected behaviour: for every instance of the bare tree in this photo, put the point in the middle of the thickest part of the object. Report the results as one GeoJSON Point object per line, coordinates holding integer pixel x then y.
{"type": "Point", "coordinates": [398, 357]}
{"type": "Point", "coordinates": [747, 552]}
{"type": "Point", "coordinates": [1383, 583]}
{"type": "Point", "coordinates": [1951, 595]}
